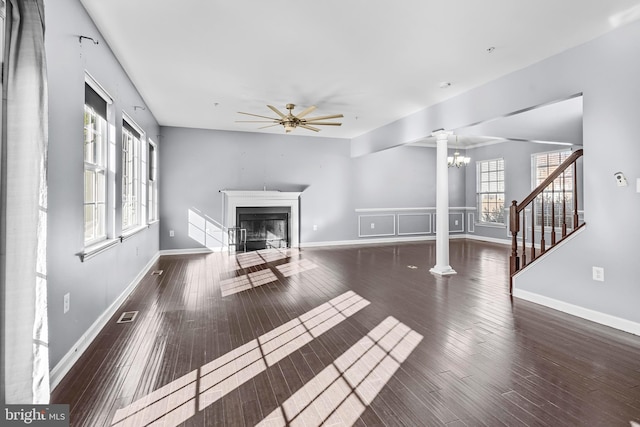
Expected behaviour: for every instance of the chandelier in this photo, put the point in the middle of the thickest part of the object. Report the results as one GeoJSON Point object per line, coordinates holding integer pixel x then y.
{"type": "Point", "coordinates": [457, 160]}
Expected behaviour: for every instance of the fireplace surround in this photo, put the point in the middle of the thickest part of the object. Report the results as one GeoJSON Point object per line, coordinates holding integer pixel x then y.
{"type": "Point", "coordinates": [277, 202]}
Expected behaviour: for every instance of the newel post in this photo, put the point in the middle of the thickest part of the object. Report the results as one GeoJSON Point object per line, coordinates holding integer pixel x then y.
{"type": "Point", "coordinates": [514, 228]}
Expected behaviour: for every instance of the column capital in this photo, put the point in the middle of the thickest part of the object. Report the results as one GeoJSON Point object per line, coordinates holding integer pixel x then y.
{"type": "Point", "coordinates": [441, 134]}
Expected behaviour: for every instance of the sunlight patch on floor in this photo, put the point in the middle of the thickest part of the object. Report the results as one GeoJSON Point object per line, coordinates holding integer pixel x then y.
{"type": "Point", "coordinates": [341, 392]}
{"type": "Point", "coordinates": [181, 399]}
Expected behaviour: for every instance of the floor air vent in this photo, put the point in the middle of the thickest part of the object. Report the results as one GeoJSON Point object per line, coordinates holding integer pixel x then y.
{"type": "Point", "coordinates": [127, 317]}
{"type": "Point", "coordinates": [156, 272]}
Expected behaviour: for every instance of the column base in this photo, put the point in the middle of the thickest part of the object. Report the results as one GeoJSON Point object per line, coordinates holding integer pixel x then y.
{"type": "Point", "coordinates": [442, 271]}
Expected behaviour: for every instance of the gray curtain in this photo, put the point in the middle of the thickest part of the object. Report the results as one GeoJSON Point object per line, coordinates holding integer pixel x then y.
{"type": "Point", "coordinates": [23, 275]}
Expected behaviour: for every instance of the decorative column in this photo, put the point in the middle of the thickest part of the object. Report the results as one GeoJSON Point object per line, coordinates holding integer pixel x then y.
{"type": "Point", "coordinates": [442, 266]}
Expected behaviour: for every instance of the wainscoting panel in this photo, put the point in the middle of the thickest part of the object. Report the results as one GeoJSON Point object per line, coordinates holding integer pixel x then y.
{"type": "Point", "coordinates": [456, 222]}
{"type": "Point", "coordinates": [376, 225]}
{"type": "Point", "coordinates": [414, 223]}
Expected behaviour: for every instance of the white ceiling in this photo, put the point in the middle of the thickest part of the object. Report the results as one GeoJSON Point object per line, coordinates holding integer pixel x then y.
{"type": "Point", "coordinates": [197, 63]}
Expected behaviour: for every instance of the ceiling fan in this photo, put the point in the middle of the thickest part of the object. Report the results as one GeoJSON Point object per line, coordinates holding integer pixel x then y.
{"type": "Point", "coordinates": [291, 121]}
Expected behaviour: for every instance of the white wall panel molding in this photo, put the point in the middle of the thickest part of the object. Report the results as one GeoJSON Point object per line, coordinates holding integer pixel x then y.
{"type": "Point", "coordinates": [376, 225]}
{"type": "Point", "coordinates": [414, 223]}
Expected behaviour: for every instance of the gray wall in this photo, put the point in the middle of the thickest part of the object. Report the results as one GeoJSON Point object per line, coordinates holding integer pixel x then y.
{"type": "Point", "coordinates": [95, 284]}
{"type": "Point", "coordinates": [605, 70]}
{"type": "Point", "coordinates": [402, 177]}
{"type": "Point", "coordinates": [196, 164]}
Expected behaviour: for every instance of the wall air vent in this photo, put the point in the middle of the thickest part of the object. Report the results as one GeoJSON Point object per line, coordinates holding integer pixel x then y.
{"type": "Point", "coordinates": [127, 317]}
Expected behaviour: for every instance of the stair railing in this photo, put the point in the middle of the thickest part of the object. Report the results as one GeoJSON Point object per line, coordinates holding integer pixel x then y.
{"type": "Point", "coordinates": [535, 206]}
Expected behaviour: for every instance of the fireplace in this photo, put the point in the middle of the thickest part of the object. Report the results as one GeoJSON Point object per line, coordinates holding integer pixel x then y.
{"type": "Point", "coordinates": [265, 227]}
{"type": "Point", "coordinates": [272, 203]}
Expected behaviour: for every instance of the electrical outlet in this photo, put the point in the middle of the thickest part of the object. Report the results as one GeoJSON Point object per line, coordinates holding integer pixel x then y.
{"type": "Point", "coordinates": [373, 225]}
{"type": "Point", "coordinates": [171, 233]}
{"type": "Point", "coordinates": [67, 302]}
{"type": "Point", "coordinates": [456, 222]}
{"type": "Point", "coordinates": [315, 227]}
{"type": "Point", "coordinates": [598, 274]}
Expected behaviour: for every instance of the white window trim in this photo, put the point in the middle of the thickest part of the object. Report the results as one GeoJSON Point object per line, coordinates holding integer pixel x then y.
{"type": "Point", "coordinates": [91, 245]}
{"type": "Point", "coordinates": [140, 221]}
{"type": "Point", "coordinates": [479, 221]}
{"type": "Point", "coordinates": [88, 79]}
{"type": "Point", "coordinates": [152, 185]}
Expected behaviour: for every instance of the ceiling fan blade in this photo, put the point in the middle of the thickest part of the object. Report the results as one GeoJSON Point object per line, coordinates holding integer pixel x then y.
{"type": "Point", "coordinates": [275, 110]}
{"type": "Point", "coordinates": [306, 111]}
{"type": "Point", "coordinates": [309, 127]}
{"type": "Point", "coordinates": [330, 116]}
{"type": "Point", "coordinates": [258, 121]}
{"type": "Point", "coordinates": [257, 115]}
{"type": "Point", "coordinates": [324, 123]}
{"type": "Point", "coordinates": [269, 126]}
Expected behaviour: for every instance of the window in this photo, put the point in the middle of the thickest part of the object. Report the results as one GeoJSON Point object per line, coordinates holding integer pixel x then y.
{"type": "Point", "coordinates": [490, 190]}
{"type": "Point", "coordinates": [95, 166]}
{"type": "Point", "coordinates": [543, 164]}
{"type": "Point", "coordinates": [152, 180]}
{"type": "Point", "coordinates": [131, 201]}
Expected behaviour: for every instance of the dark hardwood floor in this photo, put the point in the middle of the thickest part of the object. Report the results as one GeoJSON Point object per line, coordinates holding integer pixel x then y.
{"type": "Point", "coordinates": [349, 336]}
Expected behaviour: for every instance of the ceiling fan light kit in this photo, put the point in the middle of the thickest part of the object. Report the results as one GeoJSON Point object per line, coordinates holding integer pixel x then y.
{"type": "Point", "coordinates": [291, 121]}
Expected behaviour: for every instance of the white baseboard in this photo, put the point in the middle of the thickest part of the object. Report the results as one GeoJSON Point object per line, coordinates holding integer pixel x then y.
{"type": "Point", "coordinates": [365, 241]}
{"type": "Point", "coordinates": [584, 313]}
{"type": "Point", "coordinates": [68, 360]}
{"type": "Point", "coordinates": [488, 239]}
{"type": "Point", "coordinates": [190, 251]}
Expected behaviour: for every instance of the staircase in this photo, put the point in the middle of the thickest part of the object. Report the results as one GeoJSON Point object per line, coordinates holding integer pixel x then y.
{"type": "Point", "coordinates": [545, 217]}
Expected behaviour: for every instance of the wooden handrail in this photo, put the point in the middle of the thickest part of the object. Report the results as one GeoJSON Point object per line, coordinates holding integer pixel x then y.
{"type": "Point", "coordinates": [552, 177]}
{"type": "Point", "coordinates": [518, 259]}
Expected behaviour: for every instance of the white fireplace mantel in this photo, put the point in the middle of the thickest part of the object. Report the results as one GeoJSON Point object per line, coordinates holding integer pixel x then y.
{"type": "Point", "coordinates": [237, 198]}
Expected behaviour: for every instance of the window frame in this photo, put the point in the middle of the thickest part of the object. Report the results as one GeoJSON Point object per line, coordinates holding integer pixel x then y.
{"type": "Point", "coordinates": [500, 218]}
{"type": "Point", "coordinates": [131, 190]}
{"type": "Point", "coordinates": [152, 182]}
{"type": "Point", "coordinates": [99, 167]}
